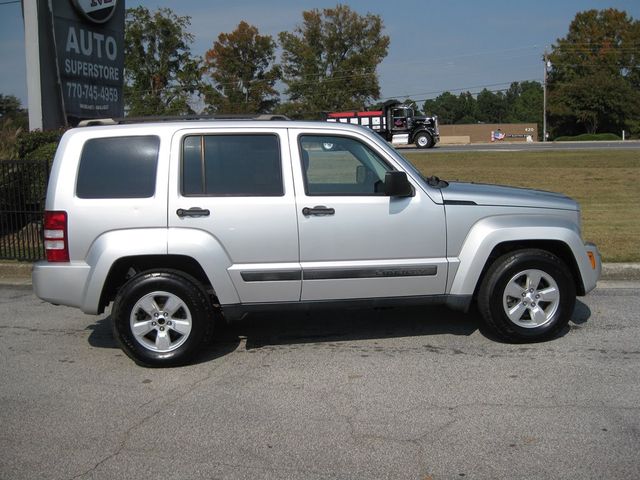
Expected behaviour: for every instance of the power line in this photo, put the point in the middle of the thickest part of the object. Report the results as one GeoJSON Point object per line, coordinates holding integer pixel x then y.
{"type": "Point", "coordinates": [10, 2]}
{"type": "Point", "coordinates": [437, 92]}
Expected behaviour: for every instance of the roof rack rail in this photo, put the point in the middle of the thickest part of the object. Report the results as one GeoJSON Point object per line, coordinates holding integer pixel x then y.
{"type": "Point", "coordinates": [231, 116]}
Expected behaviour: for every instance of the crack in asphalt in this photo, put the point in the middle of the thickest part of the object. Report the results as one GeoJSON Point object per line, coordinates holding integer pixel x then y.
{"type": "Point", "coordinates": [165, 405]}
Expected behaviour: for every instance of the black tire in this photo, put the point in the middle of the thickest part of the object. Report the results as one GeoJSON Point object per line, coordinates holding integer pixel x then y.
{"type": "Point", "coordinates": [167, 303]}
{"type": "Point", "coordinates": [526, 296]}
{"type": "Point", "coordinates": [423, 140]}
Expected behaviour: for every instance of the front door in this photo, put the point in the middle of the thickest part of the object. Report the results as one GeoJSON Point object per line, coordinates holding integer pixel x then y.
{"type": "Point", "coordinates": [355, 242]}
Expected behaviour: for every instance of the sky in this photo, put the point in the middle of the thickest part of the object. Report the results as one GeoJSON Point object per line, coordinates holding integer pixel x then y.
{"type": "Point", "coordinates": [436, 46]}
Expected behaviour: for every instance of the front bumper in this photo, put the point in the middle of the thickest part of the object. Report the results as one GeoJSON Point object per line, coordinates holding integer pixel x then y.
{"type": "Point", "coordinates": [591, 268]}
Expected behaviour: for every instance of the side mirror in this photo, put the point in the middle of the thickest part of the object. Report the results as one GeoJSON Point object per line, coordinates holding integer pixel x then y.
{"type": "Point", "coordinates": [396, 184]}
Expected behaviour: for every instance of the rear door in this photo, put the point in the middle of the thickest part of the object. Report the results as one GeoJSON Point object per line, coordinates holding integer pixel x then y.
{"type": "Point", "coordinates": [236, 185]}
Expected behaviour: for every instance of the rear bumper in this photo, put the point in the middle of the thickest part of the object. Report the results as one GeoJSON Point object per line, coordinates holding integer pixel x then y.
{"type": "Point", "coordinates": [60, 283]}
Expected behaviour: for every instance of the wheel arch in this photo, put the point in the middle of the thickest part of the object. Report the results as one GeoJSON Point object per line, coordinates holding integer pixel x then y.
{"type": "Point", "coordinates": [494, 236]}
{"type": "Point", "coordinates": [556, 247]}
{"type": "Point", "coordinates": [412, 137]}
{"type": "Point", "coordinates": [126, 267]}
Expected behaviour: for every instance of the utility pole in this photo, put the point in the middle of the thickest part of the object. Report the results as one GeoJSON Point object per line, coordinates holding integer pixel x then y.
{"type": "Point", "coordinates": [547, 64]}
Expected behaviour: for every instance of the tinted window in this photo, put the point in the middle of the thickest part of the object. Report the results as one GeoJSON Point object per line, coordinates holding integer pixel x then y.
{"type": "Point", "coordinates": [340, 166]}
{"type": "Point", "coordinates": [232, 165]}
{"type": "Point", "coordinates": [118, 167]}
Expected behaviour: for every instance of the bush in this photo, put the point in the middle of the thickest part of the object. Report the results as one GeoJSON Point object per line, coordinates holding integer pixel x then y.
{"type": "Point", "coordinates": [590, 137]}
{"type": "Point", "coordinates": [31, 141]}
{"type": "Point", "coordinates": [45, 151]}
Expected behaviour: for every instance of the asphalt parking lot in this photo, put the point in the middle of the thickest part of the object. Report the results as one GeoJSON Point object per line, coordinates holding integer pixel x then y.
{"type": "Point", "coordinates": [415, 393]}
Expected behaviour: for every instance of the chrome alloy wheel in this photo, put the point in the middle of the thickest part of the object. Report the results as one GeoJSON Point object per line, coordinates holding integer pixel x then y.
{"type": "Point", "coordinates": [423, 141]}
{"type": "Point", "coordinates": [160, 321]}
{"type": "Point", "coordinates": [531, 298]}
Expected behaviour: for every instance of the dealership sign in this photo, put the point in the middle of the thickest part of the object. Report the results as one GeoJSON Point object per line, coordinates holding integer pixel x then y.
{"type": "Point", "coordinates": [81, 59]}
{"type": "Point", "coordinates": [97, 11]}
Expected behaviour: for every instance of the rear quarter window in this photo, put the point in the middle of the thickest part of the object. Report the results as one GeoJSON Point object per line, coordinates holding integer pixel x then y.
{"type": "Point", "coordinates": [118, 167]}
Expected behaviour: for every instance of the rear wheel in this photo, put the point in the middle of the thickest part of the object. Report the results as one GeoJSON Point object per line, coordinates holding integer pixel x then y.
{"type": "Point", "coordinates": [423, 140]}
{"type": "Point", "coordinates": [162, 318]}
{"type": "Point", "coordinates": [527, 295]}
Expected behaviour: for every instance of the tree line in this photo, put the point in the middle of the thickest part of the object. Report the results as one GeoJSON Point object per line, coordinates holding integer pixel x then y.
{"type": "Point", "coordinates": [329, 61]}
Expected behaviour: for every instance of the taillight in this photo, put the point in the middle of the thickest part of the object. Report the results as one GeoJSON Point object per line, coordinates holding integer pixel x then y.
{"type": "Point", "coordinates": [55, 236]}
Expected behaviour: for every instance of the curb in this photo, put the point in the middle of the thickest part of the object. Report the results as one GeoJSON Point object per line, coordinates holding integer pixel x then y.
{"type": "Point", "coordinates": [620, 271]}
{"type": "Point", "coordinates": [17, 273]}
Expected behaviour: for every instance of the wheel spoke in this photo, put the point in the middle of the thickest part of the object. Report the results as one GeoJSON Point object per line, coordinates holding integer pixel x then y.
{"type": "Point", "coordinates": [140, 329]}
{"type": "Point", "coordinates": [516, 312]}
{"type": "Point", "coordinates": [549, 294]}
{"type": "Point", "coordinates": [163, 341]}
{"type": "Point", "coordinates": [538, 315]}
{"type": "Point", "coordinates": [513, 290]}
{"type": "Point", "coordinates": [183, 327]}
{"type": "Point", "coordinates": [149, 305]}
{"type": "Point", "coordinates": [173, 305]}
{"type": "Point", "coordinates": [533, 279]}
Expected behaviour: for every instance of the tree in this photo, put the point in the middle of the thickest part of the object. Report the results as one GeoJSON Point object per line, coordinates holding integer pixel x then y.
{"type": "Point", "coordinates": [329, 62]}
{"type": "Point", "coordinates": [13, 121]}
{"type": "Point", "coordinates": [524, 103]}
{"type": "Point", "coordinates": [594, 80]}
{"type": "Point", "coordinates": [241, 66]}
{"type": "Point", "coordinates": [161, 75]}
{"type": "Point", "coordinates": [9, 106]}
{"type": "Point", "coordinates": [492, 107]}
{"type": "Point", "coordinates": [451, 109]}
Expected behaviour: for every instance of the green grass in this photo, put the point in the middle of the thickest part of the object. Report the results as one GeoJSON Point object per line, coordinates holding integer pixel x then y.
{"type": "Point", "coordinates": [606, 183]}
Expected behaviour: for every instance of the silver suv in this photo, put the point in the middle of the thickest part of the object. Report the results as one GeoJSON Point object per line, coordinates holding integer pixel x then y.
{"type": "Point", "coordinates": [183, 223]}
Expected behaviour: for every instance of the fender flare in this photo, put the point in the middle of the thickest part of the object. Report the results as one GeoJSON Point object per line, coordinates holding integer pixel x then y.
{"type": "Point", "coordinates": [490, 232]}
{"type": "Point", "coordinates": [114, 245]}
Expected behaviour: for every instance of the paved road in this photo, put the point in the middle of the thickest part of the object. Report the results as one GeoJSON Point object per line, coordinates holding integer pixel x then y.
{"type": "Point", "coordinates": [401, 393]}
{"type": "Point", "coordinates": [535, 146]}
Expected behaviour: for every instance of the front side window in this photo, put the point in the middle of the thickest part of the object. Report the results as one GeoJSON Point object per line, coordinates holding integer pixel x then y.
{"type": "Point", "coordinates": [118, 167]}
{"type": "Point", "coordinates": [231, 165]}
{"type": "Point", "coordinates": [341, 166]}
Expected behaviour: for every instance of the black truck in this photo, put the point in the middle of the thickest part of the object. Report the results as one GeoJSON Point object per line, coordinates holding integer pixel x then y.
{"type": "Point", "coordinates": [396, 123]}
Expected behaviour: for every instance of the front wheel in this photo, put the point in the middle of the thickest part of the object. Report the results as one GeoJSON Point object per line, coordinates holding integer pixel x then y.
{"type": "Point", "coordinates": [527, 295]}
{"type": "Point", "coordinates": [162, 319]}
{"type": "Point", "coordinates": [423, 140]}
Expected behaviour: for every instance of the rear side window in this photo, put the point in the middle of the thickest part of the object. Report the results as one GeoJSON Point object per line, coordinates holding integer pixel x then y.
{"type": "Point", "coordinates": [118, 167]}
{"type": "Point", "coordinates": [232, 165]}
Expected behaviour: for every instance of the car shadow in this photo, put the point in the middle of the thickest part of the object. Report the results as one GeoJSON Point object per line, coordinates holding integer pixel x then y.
{"type": "Point", "coordinates": [324, 326]}
{"type": "Point", "coordinates": [272, 329]}
{"type": "Point", "coordinates": [101, 335]}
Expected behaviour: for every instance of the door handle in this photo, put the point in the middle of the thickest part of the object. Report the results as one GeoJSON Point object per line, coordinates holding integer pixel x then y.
{"type": "Point", "coordinates": [319, 210]}
{"type": "Point", "coordinates": [193, 212]}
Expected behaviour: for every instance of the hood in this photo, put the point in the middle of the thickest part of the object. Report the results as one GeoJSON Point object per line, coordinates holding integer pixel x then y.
{"type": "Point", "coordinates": [422, 119]}
{"type": "Point", "coordinates": [482, 194]}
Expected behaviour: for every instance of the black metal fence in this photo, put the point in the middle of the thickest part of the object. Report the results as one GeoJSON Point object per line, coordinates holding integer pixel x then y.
{"type": "Point", "coordinates": [23, 188]}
